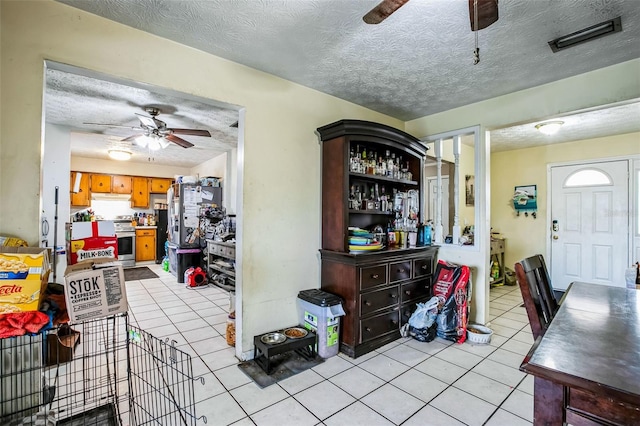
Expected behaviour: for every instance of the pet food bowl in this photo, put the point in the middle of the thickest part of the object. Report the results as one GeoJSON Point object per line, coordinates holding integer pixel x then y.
{"type": "Point", "coordinates": [479, 334]}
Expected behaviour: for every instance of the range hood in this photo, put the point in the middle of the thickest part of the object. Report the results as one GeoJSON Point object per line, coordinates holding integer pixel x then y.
{"type": "Point", "coordinates": [104, 196]}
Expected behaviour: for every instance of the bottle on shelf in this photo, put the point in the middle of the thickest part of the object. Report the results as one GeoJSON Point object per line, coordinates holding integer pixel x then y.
{"type": "Point", "coordinates": [391, 167]}
{"type": "Point", "coordinates": [495, 271]}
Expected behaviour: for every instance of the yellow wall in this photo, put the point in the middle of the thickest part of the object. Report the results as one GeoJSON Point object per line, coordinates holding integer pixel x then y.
{"type": "Point", "coordinates": [281, 196]}
{"type": "Point", "coordinates": [527, 236]}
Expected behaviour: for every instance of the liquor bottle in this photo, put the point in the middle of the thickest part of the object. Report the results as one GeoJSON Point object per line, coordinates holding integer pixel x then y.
{"type": "Point", "coordinates": [397, 167]}
{"type": "Point", "coordinates": [363, 203]}
{"type": "Point", "coordinates": [358, 199]}
{"type": "Point", "coordinates": [389, 159]}
{"type": "Point", "coordinates": [384, 205]}
{"type": "Point", "coordinates": [352, 198]}
{"type": "Point", "coordinates": [352, 160]}
{"type": "Point", "coordinates": [392, 171]}
{"type": "Point", "coordinates": [376, 198]}
{"type": "Point", "coordinates": [363, 160]}
{"type": "Point", "coordinates": [371, 164]}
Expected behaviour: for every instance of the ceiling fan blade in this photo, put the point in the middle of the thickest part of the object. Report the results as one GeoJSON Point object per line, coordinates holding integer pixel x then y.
{"type": "Point", "coordinates": [147, 121]}
{"type": "Point", "coordinates": [382, 11]}
{"type": "Point", "coordinates": [130, 138]}
{"type": "Point", "coordinates": [192, 132]}
{"type": "Point", "coordinates": [487, 13]}
{"type": "Point", "coordinates": [179, 141]}
{"type": "Point", "coordinates": [112, 125]}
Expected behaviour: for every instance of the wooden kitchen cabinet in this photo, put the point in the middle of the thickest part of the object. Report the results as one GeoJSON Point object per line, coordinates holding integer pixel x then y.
{"type": "Point", "coordinates": [380, 289]}
{"type": "Point", "coordinates": [100, 183]}
{"type": "Point", "coordinates": [121, 184]}
{"type": "Point", "coordinates": [140, 192]}
{"type": "Point", "coordinates": [160, 186]}
{"type": "Point", "coordinates": [145, 244]}
{"type": "Point", "coordinates": [82, 198]}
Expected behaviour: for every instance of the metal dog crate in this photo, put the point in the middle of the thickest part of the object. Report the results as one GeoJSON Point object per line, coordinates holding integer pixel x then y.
{"type": "Point", "coordinates": [102, 372]}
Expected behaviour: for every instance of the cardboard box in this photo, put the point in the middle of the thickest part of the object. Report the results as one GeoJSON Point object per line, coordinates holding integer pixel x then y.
{"type": "Point", "coordinates": [24, 273]}
{"type": "Point", "coordinates": [95, 289]}
{"type": "Point", "coordinates": [91, 240]}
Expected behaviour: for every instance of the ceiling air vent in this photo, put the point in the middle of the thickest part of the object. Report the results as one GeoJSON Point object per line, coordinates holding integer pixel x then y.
{"type": "Point", "coordinates": [586, 34]}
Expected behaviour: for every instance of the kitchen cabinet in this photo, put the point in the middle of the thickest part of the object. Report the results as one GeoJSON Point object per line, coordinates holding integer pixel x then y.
{"type": "Point", "coordinates": [100, 183]}
{"type": "Point", "coordinates": [82, 198]}
{"type": "Point", "coordinates": [121, 184]}
{"type": "Point", "coordinates": [145, 244]}
{"type": "Point", "coordinates": [221, 263]}
{"type": "Point", "coordinates": [140, 192]}
{"type": "Point", "coordinates": [160, 186]}
{"type": "Point", "coordinates": [380, 288]}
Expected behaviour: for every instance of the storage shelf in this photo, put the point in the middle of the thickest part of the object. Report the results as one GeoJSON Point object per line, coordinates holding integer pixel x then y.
{"type": "Point", "coordinates": [223, 270]}
{"type": "Point", "coordinates": [382, 178]}
{"type": "Point", "coordinates": [380, 212]}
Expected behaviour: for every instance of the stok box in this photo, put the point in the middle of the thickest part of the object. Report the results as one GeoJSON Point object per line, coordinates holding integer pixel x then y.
{"type": "Point", "coordinates": [95, 289]}
{"type": "Point", "coordinates": [24, 272]}
{"type": "Point", "coordinates": [91, 240]}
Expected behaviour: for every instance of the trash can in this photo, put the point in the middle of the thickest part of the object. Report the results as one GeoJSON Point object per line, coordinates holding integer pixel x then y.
{"type": "Point", "coordinates": [320, 312]}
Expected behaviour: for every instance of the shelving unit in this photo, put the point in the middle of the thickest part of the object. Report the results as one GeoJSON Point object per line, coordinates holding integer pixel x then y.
{"type": "Point", "coordinates": [221, 260]}
{"type": "Point", "coordinates": [380, 289]}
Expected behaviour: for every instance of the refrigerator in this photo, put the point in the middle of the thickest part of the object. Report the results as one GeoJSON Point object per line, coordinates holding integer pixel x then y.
{"type": "Point", "coordinates": [161, 236]}
{"type": "Point", "coordinates": [187, 224]}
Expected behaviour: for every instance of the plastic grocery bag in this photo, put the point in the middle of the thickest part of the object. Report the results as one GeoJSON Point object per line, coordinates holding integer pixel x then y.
{"type": "Point", "coordinates": [425, 314]}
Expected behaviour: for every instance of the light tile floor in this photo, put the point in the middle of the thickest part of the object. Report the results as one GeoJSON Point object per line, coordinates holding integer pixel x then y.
{"type": "Point", "coordinates": [403, 383]}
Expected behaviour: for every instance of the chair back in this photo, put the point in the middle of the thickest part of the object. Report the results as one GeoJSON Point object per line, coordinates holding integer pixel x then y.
{"type": "Point", "coordinates": [537, 293]}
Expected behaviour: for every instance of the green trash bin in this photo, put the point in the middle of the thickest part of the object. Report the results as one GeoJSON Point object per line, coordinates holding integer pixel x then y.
{"type": "Point", "coordinates": [320, 312]}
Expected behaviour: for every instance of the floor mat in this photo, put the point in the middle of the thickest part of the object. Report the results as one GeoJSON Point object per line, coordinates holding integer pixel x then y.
{"type": "Point", "coordinates": [140, 273]}
{"type": "Point", "coordinates": [283, 366]}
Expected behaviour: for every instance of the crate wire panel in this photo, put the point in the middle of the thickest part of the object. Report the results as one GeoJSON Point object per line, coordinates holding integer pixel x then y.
{"type": "Point", "coordinates": [20, 377]}
{"type": "Point", "coordinates": [160, 382]}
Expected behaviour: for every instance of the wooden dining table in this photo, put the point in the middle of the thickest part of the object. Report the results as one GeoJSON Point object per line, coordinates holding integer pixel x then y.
{"type": "Point", "coordinates": [586, 366]}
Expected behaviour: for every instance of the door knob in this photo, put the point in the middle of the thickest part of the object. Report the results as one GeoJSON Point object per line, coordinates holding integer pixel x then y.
{"type": "Point", "coordinates": [555, 237]}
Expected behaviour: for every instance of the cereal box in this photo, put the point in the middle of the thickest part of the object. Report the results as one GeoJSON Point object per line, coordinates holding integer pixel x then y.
{"type": "Point", "coordinates": [24, 272]}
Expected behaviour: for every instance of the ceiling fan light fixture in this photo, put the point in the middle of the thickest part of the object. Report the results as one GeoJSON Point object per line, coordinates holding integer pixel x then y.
{"type": "Point", "coordinates": [154, 144]}
{"type": "Point", "coordinates": [586, 34]}
{"type": "Point", "coordinates": [163, 143]}
{"type": "Point", "coordinates": [119, 154]}
{"type": "Point", "coordinates": [550, 127]}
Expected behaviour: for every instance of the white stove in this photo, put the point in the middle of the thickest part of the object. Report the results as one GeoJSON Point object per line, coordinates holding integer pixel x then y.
{"type": "Point", "coordinates": [126, 234]}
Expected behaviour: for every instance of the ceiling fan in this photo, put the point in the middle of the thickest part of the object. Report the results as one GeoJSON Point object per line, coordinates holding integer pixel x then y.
{"type": "Point", "coordinates": [487, 12]}
{"type": "Point", "coordinates": [156, 129]}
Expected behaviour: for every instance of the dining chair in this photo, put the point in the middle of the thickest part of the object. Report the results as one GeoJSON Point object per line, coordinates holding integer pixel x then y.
{"type": "Point", "coordinates": [537, 293]}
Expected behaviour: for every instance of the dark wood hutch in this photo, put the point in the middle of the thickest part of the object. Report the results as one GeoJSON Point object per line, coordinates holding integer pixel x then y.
{"type": "Point", "coordinates": [380, 288]}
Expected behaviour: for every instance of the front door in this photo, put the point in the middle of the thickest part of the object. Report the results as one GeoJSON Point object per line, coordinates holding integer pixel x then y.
{"type": "Point", "coordinates": [590, 223]}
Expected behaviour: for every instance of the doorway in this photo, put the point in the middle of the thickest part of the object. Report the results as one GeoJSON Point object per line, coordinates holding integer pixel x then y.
{"type": "Point", "coordinates": [589, 213]}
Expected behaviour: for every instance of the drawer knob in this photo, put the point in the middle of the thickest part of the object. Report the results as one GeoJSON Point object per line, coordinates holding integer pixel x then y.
{"type": "Point", "coordinates": [394, 322]}
{"type": "Point", "coordinates": [401, 271]}
{"type": "Point", "coordinates": [407, 292]}
{"type": "Point", "coordinates": [424, 267]}
{"type": "Point", "coordinates": [367, 303]}
{"type": "Point", "coordinates": [367, 329]}
{"type": "Point", "coordinates": [393, 295]}
{"type": "Point", "coordinates": [375, 276]}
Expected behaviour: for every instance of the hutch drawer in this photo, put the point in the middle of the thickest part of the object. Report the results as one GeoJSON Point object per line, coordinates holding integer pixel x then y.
{"type": "Point", "coordinates": [373, 276]}
{"type": "Point", "coordinates": [376, 300]}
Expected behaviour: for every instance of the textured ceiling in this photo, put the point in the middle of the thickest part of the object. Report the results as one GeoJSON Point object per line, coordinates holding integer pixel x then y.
{"type": "Point", "coordinates": [417, 62]}
{"type": "Point", "coordinates": [72, 100]}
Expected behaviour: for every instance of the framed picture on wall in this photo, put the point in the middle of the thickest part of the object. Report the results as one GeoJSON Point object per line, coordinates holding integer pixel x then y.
{"type": "Point", "coordinates": [469, 184]}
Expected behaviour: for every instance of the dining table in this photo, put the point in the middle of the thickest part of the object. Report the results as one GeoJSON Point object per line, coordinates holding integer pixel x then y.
{"type": "Point", "coordinates": [586, 366]}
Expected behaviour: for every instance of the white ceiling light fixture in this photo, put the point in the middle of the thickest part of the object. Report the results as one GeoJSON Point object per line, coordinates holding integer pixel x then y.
{"type": "Point", "coordinates": [550, 127]}
{"type": "Point", "coordinates": [119, 154]}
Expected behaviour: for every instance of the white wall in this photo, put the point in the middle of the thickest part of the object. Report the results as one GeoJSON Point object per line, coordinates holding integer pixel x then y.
{"type": "Point", "coordinates": [55, 172]}
{"type": "Point", "coordinates": [604, 86]}
{"type": "Point", "coordinates": [96, 165]}
{"type": "Point", "coordinates": [280, 119]}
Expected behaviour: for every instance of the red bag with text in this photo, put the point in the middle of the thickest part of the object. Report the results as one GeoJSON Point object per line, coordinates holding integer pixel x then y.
{"type": "Point", "coordinates": [451, 288]}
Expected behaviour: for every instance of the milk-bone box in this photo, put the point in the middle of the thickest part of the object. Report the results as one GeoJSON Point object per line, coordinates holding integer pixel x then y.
{"type": "Point", "coordinates": [24, 273]}
{"type": "Point", "coordinates": [90, 240]}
